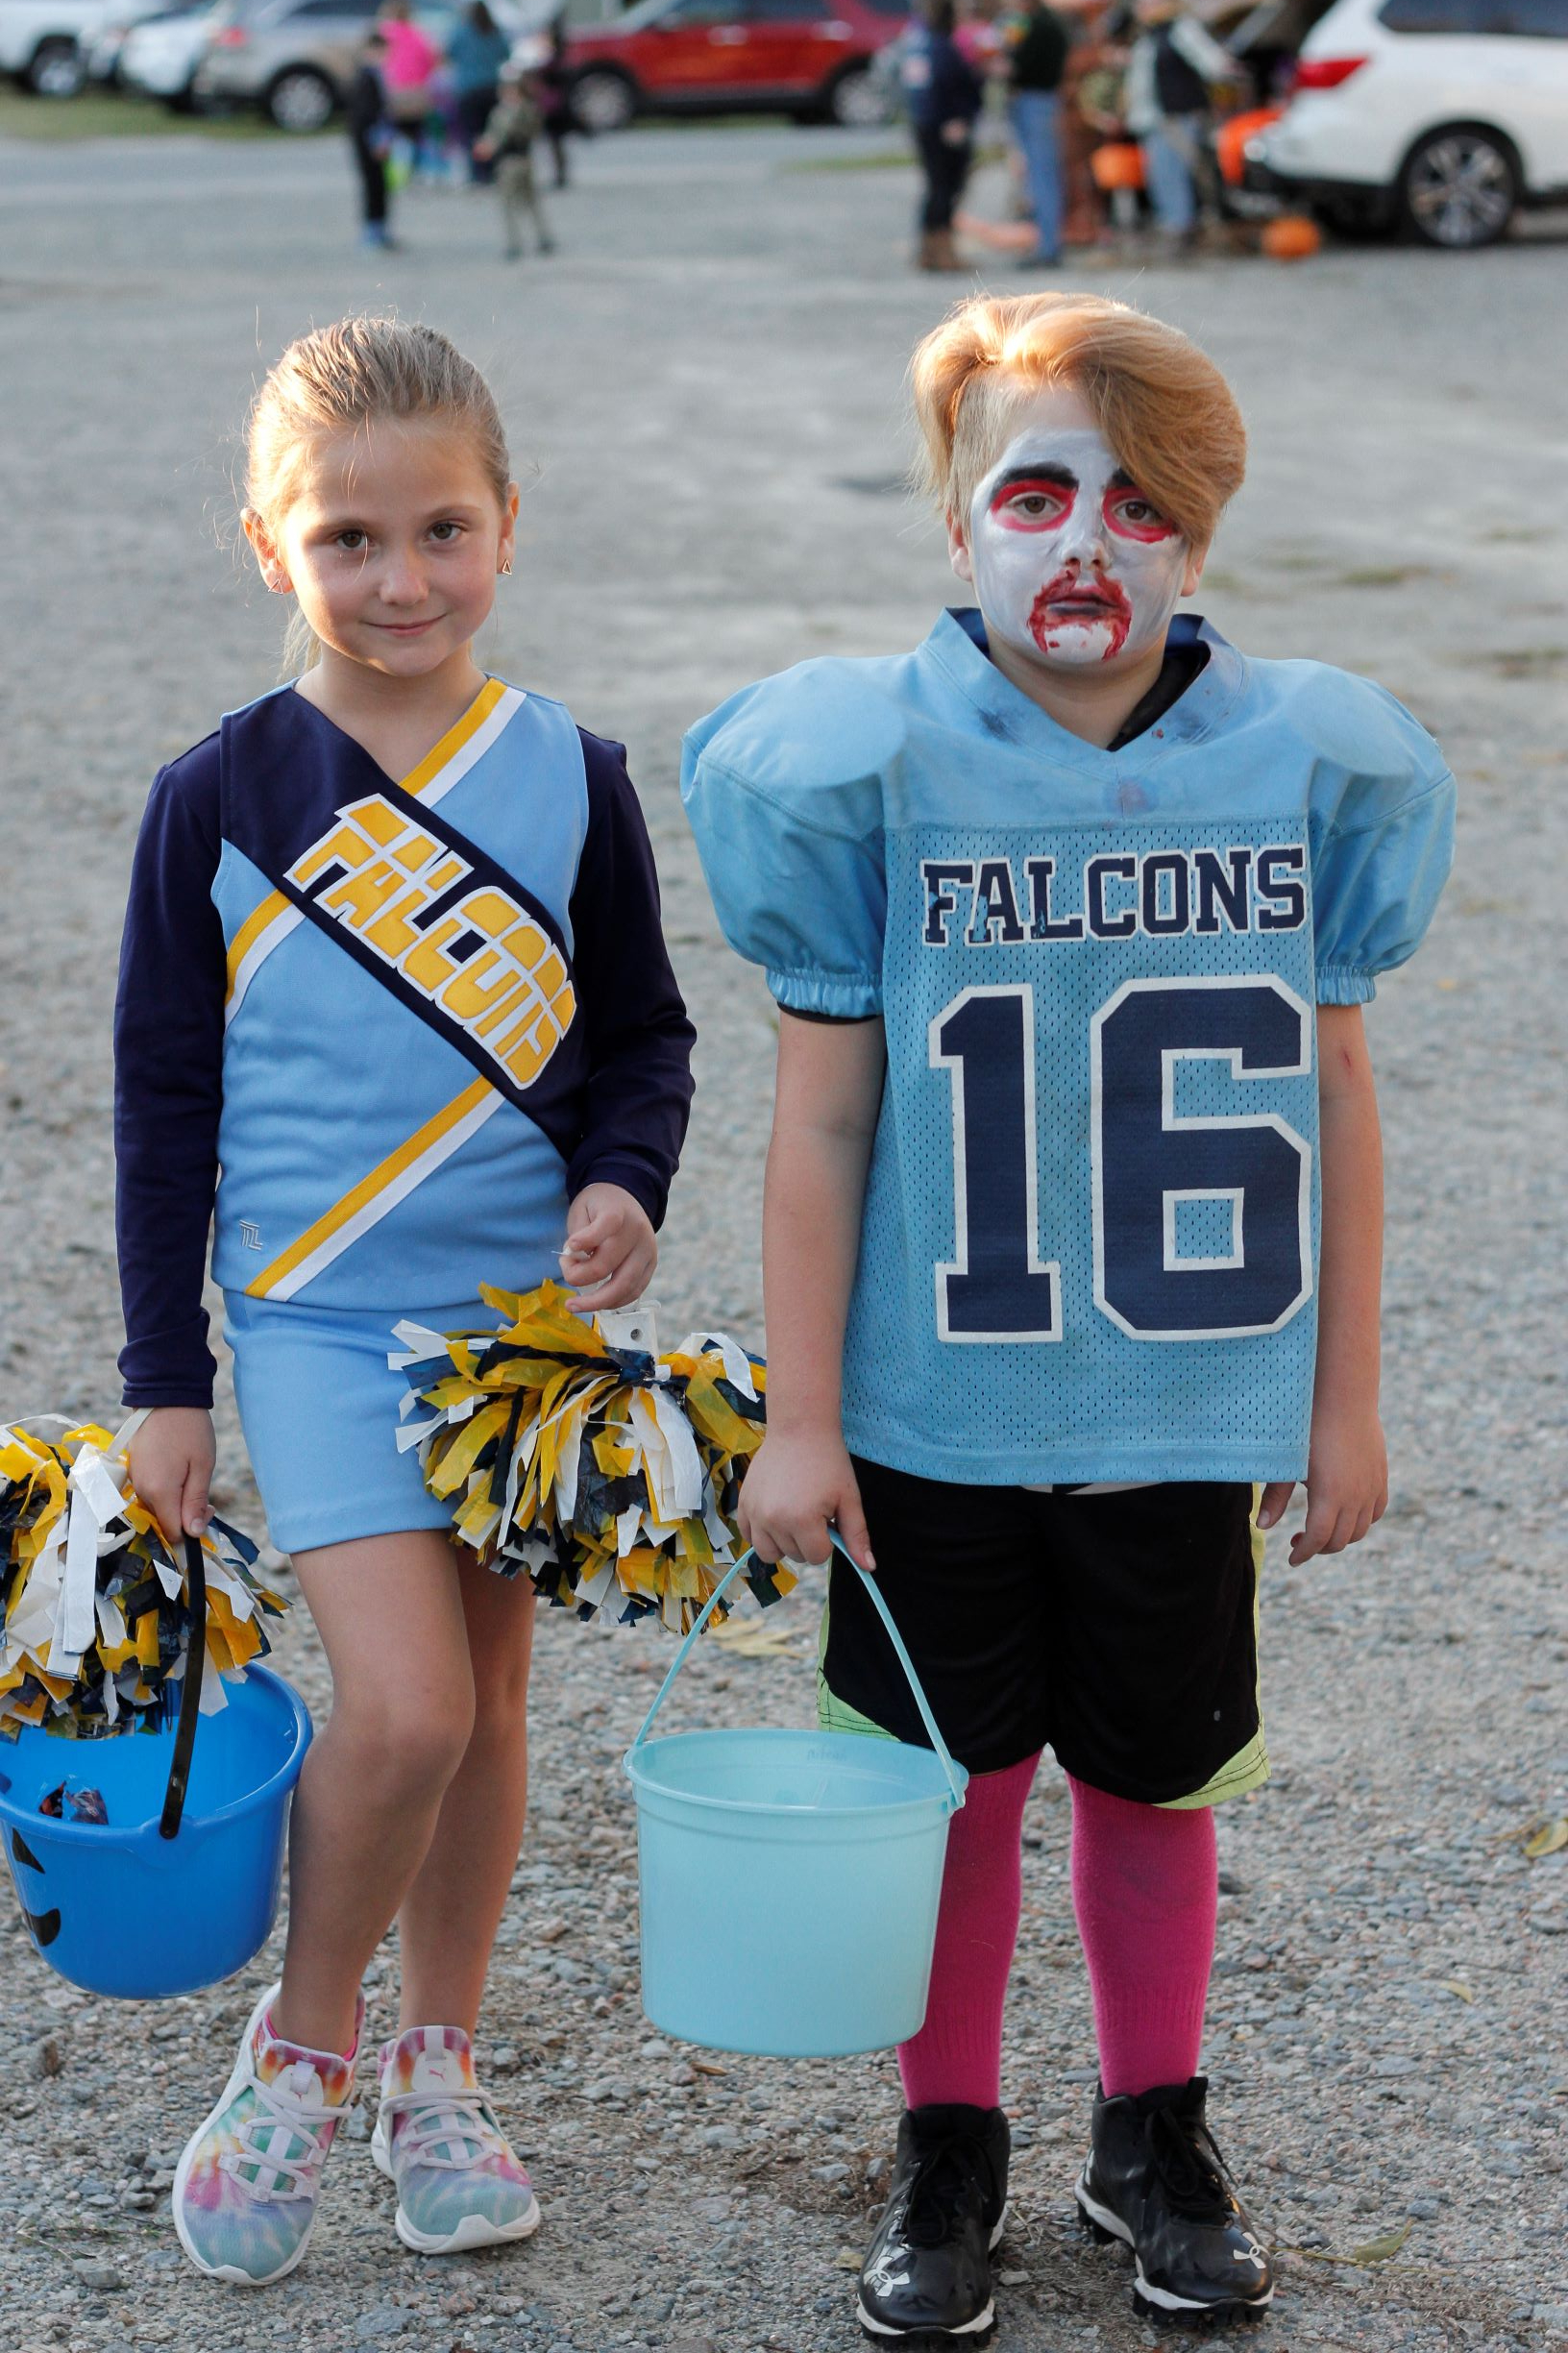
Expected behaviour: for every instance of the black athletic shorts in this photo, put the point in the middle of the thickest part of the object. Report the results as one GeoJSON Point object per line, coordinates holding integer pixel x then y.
{"type": "Point", "coordinates": [1118, 1628]}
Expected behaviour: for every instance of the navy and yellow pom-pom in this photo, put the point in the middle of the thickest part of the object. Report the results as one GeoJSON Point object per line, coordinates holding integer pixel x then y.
{"type": "Point", "coordinates": [608, 1475]}
{"type": "Point", "coordinates": [95, 1619]}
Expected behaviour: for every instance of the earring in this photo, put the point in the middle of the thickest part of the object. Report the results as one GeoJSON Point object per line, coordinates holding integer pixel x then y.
{"type": "Point", "coordinates": [506, 569]}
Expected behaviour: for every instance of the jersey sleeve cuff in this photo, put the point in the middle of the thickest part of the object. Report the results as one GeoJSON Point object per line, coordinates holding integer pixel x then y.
{"type": "Point", "coordinates": [843, 996]}
{"type": "Point", "coordinates": [1342, 984]}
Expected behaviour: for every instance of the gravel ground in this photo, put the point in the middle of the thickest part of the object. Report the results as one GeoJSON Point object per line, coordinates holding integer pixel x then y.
{"type": "Point", "coordinates": [706, 381]}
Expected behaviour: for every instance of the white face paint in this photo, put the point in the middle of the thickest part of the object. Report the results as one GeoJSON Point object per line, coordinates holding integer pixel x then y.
{"type": "Point", "coordinates": [1072, 565]}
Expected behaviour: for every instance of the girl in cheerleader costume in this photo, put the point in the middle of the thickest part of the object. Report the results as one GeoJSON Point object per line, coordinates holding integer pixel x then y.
{"type": "Point", "coordinates": [394, 997]}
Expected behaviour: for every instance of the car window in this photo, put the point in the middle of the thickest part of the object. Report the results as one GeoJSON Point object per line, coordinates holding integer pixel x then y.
{"type": "Point", "coordinates": [331, 8]}
{"type": "Point", "coordinates": [703, 12]}
{"type": "Point", "coordinates": [1541, 18]}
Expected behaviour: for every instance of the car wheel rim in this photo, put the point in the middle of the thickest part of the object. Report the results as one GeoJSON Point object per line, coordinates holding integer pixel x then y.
{"type": "Point", "coordinates": [58, 77]}
{"type": "Point", "coordinates": [858, 103]}
{"type": "Point", "coordinates": [1461, 191]}
{"type": "Point", "coordinates": [604, 102]}
{"type": "Point", "coordinates": [301, 104]}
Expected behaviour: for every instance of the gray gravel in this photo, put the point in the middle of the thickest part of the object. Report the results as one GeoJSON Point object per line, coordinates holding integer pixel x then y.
{"type": "Point", "coordinates": [706, 380]}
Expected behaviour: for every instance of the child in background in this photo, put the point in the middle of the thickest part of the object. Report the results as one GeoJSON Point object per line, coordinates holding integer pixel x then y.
{"type": "Point", "coordinates": [370, 134]}
{"type": "Point", "coordinates": [1047, 906]}
{"type": "Point", "coordinates": [393, 963]}
{"type": "Point", "coordinates": [508, 145]}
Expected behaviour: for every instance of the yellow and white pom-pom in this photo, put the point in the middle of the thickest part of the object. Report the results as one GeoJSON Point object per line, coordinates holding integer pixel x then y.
{"type": "Point", "coordinates": [607, 1474]}
{"type": "Point", "coordinates": [95, 1619]}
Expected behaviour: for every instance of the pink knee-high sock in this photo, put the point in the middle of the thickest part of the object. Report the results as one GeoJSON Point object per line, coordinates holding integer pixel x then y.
{"type": "Point", "coordinates": [1145, 1886]}
{"type": "Point", "coordinates": [957, 2055]}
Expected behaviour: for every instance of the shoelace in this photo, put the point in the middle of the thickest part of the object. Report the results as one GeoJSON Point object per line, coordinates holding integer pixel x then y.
{"type": "Point", "coordinates": [439, 2121]}
{"type": "Point", "coordinates": [953, 2167]}
{"type": "Point", "coordinates": [1186, 2159]}
{"type": "Point", "coordinates": [280, 2110]}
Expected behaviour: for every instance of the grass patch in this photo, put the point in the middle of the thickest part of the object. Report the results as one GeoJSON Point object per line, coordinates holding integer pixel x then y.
{"type": "Point", "coordinates": [115, 114]}
{"type": "Point", "coordinates": [889, 159]}
{"type": "Point", "coordinates": [1385, 576]}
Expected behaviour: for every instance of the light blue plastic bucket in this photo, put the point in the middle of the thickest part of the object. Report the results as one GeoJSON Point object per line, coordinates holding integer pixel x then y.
{"type": "Point", "coordinates": [790, 1880]}
{"type": "Point", "coordinates": [124, 1909]}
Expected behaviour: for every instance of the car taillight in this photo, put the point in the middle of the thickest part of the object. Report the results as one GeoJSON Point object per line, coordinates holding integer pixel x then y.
{"type": "Point", "coordinates": [231, 37]}
{"type": "Point", "coordinates": [1326, 73]}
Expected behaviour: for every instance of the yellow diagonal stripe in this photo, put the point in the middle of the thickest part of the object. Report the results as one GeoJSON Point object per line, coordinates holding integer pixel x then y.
{"type": "Point", "coordinates": [455, 737]}
{"type": "Point", "coordinates": [367, 1189]}
{"type": "Point", "coordinates": [251, 930]}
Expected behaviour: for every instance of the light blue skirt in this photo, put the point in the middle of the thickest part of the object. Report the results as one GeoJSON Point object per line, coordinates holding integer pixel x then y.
{"type": "Point", "coordinates": [318, 1404]}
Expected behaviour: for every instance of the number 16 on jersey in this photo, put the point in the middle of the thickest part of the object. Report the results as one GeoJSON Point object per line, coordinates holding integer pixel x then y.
{"type": "Point", "coordinates": [1246, 1171]}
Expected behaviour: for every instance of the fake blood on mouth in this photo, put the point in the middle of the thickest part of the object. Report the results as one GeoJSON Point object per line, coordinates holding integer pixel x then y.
{"type": "Point", "coordinates": [1107, 606]}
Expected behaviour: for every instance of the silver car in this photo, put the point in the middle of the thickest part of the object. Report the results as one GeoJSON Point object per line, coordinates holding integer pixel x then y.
{"type": "Point", "coordinates": [296, 57]}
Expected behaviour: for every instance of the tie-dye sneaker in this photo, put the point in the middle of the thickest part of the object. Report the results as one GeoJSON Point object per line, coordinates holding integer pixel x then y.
{"type": "Point", "coordinates": [460, 2185]}
{"type": "Point", "coordinates": [246, 2189]}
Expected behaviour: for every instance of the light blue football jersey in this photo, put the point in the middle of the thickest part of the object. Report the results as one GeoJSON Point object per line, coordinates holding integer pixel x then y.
{"type": "Point", "coordinates": [1090, 1240]}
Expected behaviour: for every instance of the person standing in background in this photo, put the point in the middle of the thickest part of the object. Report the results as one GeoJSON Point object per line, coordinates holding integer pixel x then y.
{"type": "Point", "coordinates": [944, 95]}
{"type": "Point", "coordinates": [1039, 60]}
{"type": "Point", "coordinates": [1171, 72]}
{"type": "Point", "coordinates": [476, 52]}
{"type": "Point", "coordinates": [370, 134]}
{"type": "Point", "coordinates": [411, 59]}
{"type": "Point", "coordinates": [1082, 129]}
{"type": "Point", "coordinates": [508, 143]}
{"type": "Point", "coordinates": [551, 82]}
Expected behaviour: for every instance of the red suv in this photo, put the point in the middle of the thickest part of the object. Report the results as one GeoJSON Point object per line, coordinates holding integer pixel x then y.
{"type": "Point", "coordinates": [795, 57]}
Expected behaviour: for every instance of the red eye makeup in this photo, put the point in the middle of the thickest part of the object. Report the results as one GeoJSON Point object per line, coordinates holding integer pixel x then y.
{"type": "Point", "coordinates": [1032, 501]}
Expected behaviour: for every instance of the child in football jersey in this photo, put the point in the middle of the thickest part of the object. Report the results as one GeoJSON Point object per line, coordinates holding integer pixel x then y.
{"type": "Point", "coordinates": [393, 967]}
{"type": "Point", "coordinates": [1072, 1220]}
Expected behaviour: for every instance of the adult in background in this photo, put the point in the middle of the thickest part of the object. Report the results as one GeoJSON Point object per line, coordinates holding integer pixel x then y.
{"type": "Point", "coordinates": [411, 63]}
{"type": "Point", "coordinates": [476, 53]}
{"type": "Point", "coordinates": [554, 87]}
{"type": "Point", "coordinates": [1173, 68]}
{"type": "Point", "coordinates": [944, 95]}
{"type": "Point", "coordinates": [370, 135]}
{"type": "Point", "coordinates": [1039, 60]}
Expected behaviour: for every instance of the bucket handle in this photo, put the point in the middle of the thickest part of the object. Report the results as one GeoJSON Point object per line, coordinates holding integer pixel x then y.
{"type": "Point", "coordinates": [190, 1692]}
{"type": "Point", "coordinates": [955, 1786]}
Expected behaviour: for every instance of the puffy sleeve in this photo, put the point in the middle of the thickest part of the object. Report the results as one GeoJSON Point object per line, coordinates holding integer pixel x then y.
{"type": "Point", "coordinates": [790, 842]}
{"type": "Point", "coordinates": [1377, 874]}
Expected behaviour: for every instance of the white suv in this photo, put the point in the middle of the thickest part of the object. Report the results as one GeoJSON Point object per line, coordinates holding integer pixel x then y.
{"type": "Point", "coordinates": [1446, 115]}
{"type": "Point", "coordinates": [41, 42]}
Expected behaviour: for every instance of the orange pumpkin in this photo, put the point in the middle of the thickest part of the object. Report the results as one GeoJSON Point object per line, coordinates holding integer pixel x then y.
{"type": "Point", "coordinates": [1291, 237]}
{"type": "Point", "coordinates": [1118, 166]}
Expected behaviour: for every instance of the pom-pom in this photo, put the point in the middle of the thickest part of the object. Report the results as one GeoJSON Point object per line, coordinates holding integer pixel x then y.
{"type": "Point", "coordinates": [95, 1619]}
{"type": "Point", "coordinates": [607, 1474]}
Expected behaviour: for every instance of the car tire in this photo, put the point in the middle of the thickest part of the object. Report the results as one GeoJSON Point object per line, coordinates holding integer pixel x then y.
{"type": "Point", "coordinates": [300, 100]}
{"type": "Point", "coordinates": [57, 69]}
{"type": "Point", "coordinates": [1458, 187]}
{"type": "Point", "coordinates": [602, 99]}
{"type": "Point", "coordinates": [858, 99]}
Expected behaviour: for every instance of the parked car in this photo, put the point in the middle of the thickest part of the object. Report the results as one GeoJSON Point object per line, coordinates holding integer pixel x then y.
{"type": "Point", "coordinates": [799, 56]}
{"type": "Point", "coordinates": [1443, 116]}
{"type": "Point", "coordinates": [101, 47]}
{"type": "Point", "coordinates": [295, 58]}
{"type": "Point", "coordinates": [160, 55]}
{"type": "Point", "coordinates": [42, 43]}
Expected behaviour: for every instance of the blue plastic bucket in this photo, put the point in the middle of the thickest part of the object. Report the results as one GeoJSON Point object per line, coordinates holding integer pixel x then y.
{"type": "Point", "coordinates": [790, 1880]}
{"type": "Point", "coordinates": [120, 1908]}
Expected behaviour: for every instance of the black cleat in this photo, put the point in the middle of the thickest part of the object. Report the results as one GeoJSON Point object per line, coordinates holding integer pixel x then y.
{"type": "Point", "coordinates": [1155, 2181]}
{"type": "Point", "coordinates": [926, 2280]}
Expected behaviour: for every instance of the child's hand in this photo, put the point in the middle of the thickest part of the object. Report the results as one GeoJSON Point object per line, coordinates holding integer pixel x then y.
{"type": "Point", "coordinates": [610, 1247]}
{"type": "Point", "coordinates": [172, 1457]}
{"type": "Point", "coordinates": [793, 1488]}
{"type": "Point", "coordinates": [1347, 1487]}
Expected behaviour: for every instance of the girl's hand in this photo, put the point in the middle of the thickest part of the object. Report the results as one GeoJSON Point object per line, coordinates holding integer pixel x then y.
{"type": "Point", "coordinates": [793, 1488]}
{"type": "Point", "coordinates": [610, 1249]}
{"type": "Point", "coordinates": [1347, 1487]}
{"type": "Point", "coordinates": [172, 1457]}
